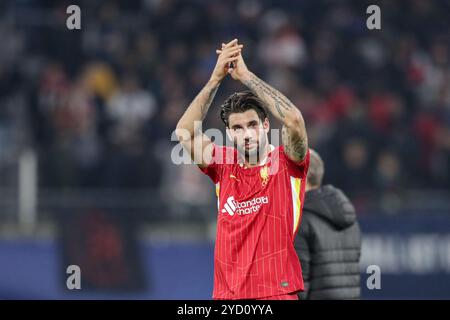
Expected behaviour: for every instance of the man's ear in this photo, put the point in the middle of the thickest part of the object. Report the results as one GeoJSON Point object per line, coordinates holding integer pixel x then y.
{"type": "Point", "coordinates": [266, 125]}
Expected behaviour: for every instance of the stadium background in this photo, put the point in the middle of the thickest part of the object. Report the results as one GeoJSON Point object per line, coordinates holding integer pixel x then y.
{"type": "Point", "coordinates": [86, 119]}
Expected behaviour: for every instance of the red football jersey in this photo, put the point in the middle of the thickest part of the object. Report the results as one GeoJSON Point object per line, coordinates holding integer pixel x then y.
{"type": "Point", "coordinates": [259, 213]}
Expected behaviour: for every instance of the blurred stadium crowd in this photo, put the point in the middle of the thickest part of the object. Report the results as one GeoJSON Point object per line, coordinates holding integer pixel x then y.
{"type": "Point", "coordinates": [99, 105]}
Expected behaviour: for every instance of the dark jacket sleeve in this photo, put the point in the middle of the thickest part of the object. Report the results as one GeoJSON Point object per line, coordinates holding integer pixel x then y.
{"type": "Point", "coordinates": [304, 254]}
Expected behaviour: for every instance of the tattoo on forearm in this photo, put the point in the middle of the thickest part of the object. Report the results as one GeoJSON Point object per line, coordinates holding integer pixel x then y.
{"type": "Point", "coordinates": [277, 105]}
{"type": "Point", "coordinates": [264, 91]}
{"type": "Point", "coordinates": [211, 93]}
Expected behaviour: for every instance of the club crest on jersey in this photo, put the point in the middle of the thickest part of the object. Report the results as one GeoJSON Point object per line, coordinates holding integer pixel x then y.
{"type": "Point", "coordinates": [264, 173]}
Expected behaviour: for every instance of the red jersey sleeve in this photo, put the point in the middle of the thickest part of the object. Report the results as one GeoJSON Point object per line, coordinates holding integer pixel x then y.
{"type": "Point", "coordinates": [297, 169]}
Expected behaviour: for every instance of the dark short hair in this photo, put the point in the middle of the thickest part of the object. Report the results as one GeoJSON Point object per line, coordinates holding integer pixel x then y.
{"type": "Point", "coordinates": [316, 169]}
{"type": "Point", "coordinates": [240, 102]}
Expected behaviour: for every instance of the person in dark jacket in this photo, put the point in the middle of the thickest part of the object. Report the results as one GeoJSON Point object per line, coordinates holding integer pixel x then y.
{"type": "Point", "coordinates": [328, 242]}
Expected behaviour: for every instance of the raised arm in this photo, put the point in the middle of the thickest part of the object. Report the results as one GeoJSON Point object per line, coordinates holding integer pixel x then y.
{"type": "Point", "coordinates": [188, 129]}
{"type": "Point", "coordinates": [294, 136]}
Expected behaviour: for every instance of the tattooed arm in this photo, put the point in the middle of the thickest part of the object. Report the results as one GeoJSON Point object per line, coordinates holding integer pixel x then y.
{"type": "Point", "coordinates": [294, 136]}
{"type": "Point", "coordinates": [188, 129]}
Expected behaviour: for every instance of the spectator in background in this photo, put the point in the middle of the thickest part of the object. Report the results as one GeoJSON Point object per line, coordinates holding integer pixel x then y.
{"type": "Point", "coordinates": [441, 157]}
{"type": "Point", "coordinates": [354, 174]}
{"type": "Point", "coordinates": [129, 112]}
{"type": "Point", "coordinates": [388, 175]}
{"type": "Point", "coordinates": [86, 148]}
{"type": "Point", "coordinates": [328, 225]}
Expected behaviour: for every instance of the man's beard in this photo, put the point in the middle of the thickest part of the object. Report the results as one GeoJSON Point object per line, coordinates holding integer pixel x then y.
{"type": "Point", "coordinates": [253, 156]}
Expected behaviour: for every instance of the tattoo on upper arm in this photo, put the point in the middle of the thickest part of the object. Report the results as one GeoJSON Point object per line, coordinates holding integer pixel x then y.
{"type": "Point", "coordinates": [300, 147]}
{"type": "Point", "coordinates": [294, 146]}
{"type": "Point", "coordinates": [285, 139]}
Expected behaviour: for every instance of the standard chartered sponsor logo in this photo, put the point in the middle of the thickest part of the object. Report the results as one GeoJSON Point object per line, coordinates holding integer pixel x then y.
{"type": "Point", "coordinates": [245, 207]}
